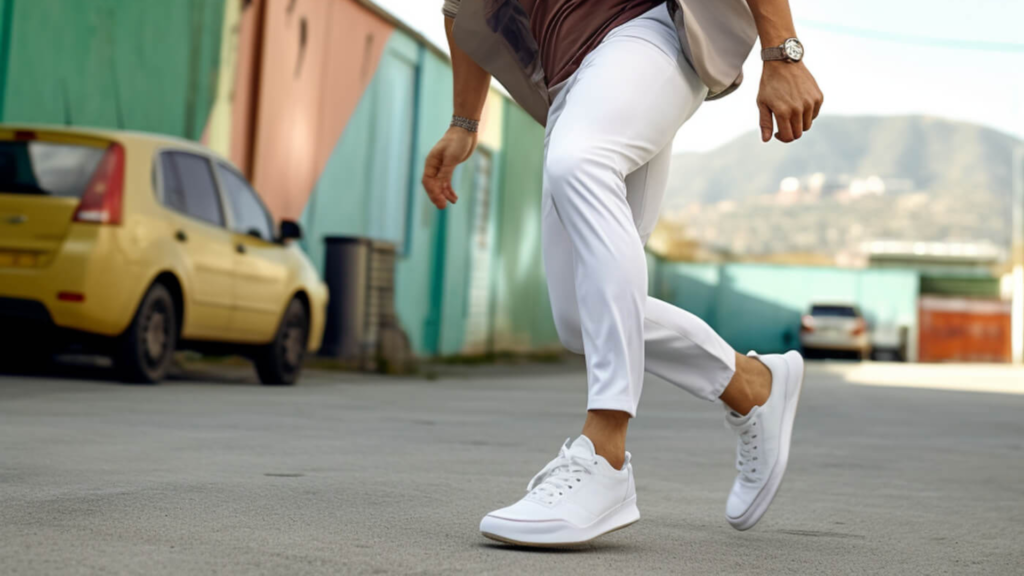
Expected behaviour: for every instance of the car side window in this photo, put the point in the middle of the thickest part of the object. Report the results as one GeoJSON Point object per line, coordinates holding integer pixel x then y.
{"type": "Point", "coordinates": [250, 217]}
{"type": "Point", "coordinates": [189, 187]}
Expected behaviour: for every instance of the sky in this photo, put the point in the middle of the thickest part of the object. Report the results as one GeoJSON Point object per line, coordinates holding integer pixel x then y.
{"type": "Point", "coordinates": [955, 59]}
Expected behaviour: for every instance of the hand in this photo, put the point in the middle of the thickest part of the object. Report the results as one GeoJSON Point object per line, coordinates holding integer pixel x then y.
{"type": "Point", "coordinates": [454, 148]}
{"type": "Point", "coordinates": [790, 93]}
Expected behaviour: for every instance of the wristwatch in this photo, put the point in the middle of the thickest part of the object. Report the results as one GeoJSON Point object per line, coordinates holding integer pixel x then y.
{"type": "Point", "coordinates": [792, 50]}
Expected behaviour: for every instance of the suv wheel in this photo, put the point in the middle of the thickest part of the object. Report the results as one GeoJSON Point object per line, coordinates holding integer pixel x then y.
{"type": "Point", "coordinates": [280, 362]}
{"type": "Point", "coordinates": [145, 350]}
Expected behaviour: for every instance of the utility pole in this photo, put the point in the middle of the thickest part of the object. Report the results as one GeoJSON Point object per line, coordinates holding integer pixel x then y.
{"type": "Point", "coordinates": [1017, 249]}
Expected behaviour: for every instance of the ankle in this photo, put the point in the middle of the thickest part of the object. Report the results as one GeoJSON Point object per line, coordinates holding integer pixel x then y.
{"type": "Point", "coordinates": [750, 386]}
{"type": "Point", "coordinates": [760, 381]}
{"type": "Point", "coordinates": [612, 451]}
{"type": "Point", "coordinates": [606, 429]}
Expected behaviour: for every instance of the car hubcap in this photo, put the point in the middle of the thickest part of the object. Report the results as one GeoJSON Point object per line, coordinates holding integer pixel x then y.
{"type": "Point", "coordinates": [156, 335]}
{"type": "Point", "coordinates": [293, 346]}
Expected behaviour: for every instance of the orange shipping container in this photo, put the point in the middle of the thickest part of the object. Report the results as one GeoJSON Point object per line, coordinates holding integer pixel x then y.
{"type": "Point", "coordinates": [964, 330]}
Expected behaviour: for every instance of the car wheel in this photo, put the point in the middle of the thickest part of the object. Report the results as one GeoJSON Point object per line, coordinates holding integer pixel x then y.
{"type": "Point", "coordinates": [145, 350]}
{"type": "Point", "coordinates": [280, 362]}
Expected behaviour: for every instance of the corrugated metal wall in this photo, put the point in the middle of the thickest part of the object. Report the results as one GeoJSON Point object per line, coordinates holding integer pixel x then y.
{"type": "Point", "coordinates": [522, 310]}
{"type": "Point", "coordinates": [370, 187]}
{"type": "Point", "coordinates": [149, 66]}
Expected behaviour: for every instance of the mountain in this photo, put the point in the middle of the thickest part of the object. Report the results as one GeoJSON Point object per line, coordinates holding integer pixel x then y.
{"type": "Point", "coordinates": [936, 155]}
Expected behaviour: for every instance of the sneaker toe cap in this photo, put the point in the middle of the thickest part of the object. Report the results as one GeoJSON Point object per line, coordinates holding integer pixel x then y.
{"type": "Point", "coordinates": [526, 531]}
{"type": "Point", "coordinates": [524, 521]}
{"type": "Point", "coordinates": [740, 499]}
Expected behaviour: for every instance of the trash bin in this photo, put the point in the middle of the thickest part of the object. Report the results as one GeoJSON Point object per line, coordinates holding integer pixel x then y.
{"type": "Point", "coordinates": [362, 329]}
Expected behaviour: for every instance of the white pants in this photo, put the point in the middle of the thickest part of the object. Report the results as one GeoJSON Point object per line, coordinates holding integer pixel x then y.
{"type": "Point", "coordinates": [606, 157]}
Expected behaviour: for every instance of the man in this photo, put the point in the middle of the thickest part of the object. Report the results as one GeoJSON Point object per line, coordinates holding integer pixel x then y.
{"type": "Point", "coordinates": [612, 81]}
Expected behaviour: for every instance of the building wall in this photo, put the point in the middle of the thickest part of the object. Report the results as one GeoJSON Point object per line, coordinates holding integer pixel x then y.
{"type": "Point", "coordinates": [317, 59]}
{"type": "Point", "coordinates": [523, 311]}
{"type": "Point", "coordinates": [149, 66]}
{"type": "Point", "coordinates": [453, 265]}
{"type": "Point", "coordinates": [758, 307]}
{"type": "Point", "coordinates": [217, 134]}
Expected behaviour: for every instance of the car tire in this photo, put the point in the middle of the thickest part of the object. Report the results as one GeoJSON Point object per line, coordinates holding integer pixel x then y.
{"type": "Point", "coordinates": [145, 350]}
{"type": "Point", "coordinates": [280, 362]}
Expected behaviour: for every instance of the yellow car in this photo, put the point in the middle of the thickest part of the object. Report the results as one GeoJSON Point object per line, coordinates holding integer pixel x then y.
{"type": "Point", "coordinates": [144, 244]}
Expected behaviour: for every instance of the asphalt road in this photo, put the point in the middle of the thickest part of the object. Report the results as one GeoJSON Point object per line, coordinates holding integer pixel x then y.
{"type": "Point", "coordinates": [349, 474]}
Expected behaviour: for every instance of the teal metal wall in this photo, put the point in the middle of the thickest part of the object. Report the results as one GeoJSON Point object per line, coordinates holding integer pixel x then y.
{"type": "Point", "coordinates": [370, 188]}
{"type": "Point", "coordinates": [523, 312]}
{"type": "Point", "coordinates": [364, 188]}
{"type": "Point", "coordinates": [135, 64]}
{"type": "Point", "coordinates": [758, 307]}
{"type": "Point", "coordinates": [420, 274]}
{"type": "Point", "coordinates": [458, 233]}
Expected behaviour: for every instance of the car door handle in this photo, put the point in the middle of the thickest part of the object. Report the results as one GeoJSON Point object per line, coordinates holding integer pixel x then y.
{"type": "Point", "coordinates": [240, 248]}
{"type": "Point", "coordinates": [181, 236]}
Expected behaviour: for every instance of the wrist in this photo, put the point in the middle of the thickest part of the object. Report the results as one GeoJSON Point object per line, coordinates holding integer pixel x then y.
{"type": "Point", "coordinates": [471, 125]}
{"type": "Point", "coordinates": [775, 38]}
{"type": "Point", "coordinates": [774, 65]}
{"type": "Point", "coordinates": [460, 133]}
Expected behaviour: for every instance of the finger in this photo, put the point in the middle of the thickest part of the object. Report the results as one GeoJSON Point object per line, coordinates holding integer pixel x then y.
{"type": "Point", "coordinates": [433, 188]}
{"type": "Point", "coordinates": [437, 201]}
{"type": "Point", "coordinates": [796, 121]}
{"type": "Point", "coordinates": [818, 103]}
{"type": "Point", "coordinates": [444, 174]}
{"type": "Point", "coordinates": [449, 194]}
{"type": "Point", "coordinates": [785, 133]}
{"type": "Point", "coordinates": [765, 122]}
{"type": "Point", "coordinates": [808, 117]}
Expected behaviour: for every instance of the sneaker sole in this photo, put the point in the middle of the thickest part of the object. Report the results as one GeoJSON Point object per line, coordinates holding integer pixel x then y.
{"type": "Point", "coordinates": [623, 517]}
{"type": "Point", "coordinates": [764, 498]}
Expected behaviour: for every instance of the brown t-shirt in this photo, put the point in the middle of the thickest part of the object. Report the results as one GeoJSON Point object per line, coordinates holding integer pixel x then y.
{"type": "Point", "coordinates": [567, 30]}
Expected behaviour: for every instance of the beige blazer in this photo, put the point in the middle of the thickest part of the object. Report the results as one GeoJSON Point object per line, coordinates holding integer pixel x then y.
{"type": "Point", "coordinates": [718, 35]}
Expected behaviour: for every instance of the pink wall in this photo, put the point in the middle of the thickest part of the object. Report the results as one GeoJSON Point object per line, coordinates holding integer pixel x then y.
{"type": "Point", "coordinates": [307, 91]}
{"type": "Point", "coordinates": [242, 100]}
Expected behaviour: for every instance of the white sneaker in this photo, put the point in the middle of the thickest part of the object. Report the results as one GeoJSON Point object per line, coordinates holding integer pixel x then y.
{"type": "Point", "coordinates": [577, 497]}
{"type": "Point", "coordinates": [762, 450]}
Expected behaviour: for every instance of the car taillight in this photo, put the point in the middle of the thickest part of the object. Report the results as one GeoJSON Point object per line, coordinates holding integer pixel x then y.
{"type": "Point", "coordinates": [101, 202]}
{"type": "Point", "coordinates": [807, 323]}
{"type": "Point", "coordinates": [859, 327]}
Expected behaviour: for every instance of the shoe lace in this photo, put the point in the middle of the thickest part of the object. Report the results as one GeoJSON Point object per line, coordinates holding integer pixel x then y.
{"type": "Point", "coordinates": [560, 476]}
{"type": "Point", "coordinates": [747, 451]}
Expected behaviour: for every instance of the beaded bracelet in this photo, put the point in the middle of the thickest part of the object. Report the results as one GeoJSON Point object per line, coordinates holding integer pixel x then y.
{"type": "Point", "coordinates": [465, 123]}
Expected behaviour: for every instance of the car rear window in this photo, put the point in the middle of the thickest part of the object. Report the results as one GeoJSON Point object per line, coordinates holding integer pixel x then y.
{"type": "Point", "coordinates": [841, 311]}
{"type": "Point", "coordinates": [47, 168]}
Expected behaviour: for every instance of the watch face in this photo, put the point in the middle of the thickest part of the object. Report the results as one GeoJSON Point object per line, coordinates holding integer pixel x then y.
{"type": "Point", "coordinates": [794, 49]}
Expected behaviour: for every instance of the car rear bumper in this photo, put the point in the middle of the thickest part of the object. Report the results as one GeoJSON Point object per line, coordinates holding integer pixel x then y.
{"type": "Point", "coordinates": [835, 342]}
{"type": "Point", "coordinates": [89, 266]}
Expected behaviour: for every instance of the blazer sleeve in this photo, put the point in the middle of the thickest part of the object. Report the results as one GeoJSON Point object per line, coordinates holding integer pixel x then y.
{"type": "Point", "coordinates": [450, 8]}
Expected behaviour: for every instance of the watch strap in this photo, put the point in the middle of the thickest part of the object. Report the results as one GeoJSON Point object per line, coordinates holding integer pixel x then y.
{"type": "Point", "coordinates": [774, 53]}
